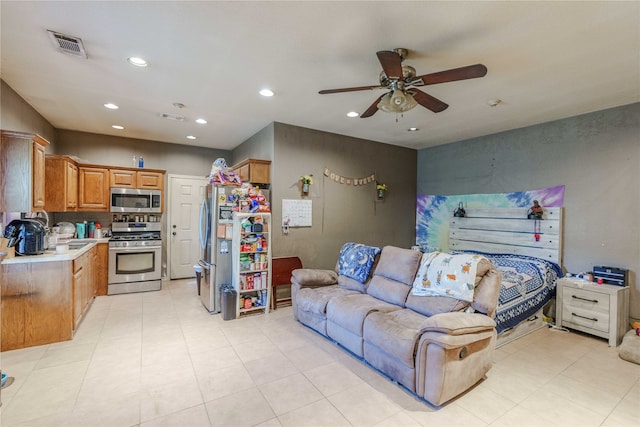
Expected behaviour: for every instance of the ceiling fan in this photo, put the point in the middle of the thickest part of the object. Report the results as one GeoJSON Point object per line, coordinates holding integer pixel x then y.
{"type": "Point", "coordinates": [401, 80]}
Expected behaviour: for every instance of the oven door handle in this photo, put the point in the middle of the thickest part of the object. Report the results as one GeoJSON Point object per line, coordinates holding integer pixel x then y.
{"type": "Point", "coordinates": [138, 249]}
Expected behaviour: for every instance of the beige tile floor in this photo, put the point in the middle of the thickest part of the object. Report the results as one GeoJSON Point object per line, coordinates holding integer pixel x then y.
{"type": "Point", "coordinates": [158, 359]}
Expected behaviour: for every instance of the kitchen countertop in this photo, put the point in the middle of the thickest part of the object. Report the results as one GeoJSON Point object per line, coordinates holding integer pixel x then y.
{"type": "Point", "coordinates": [51, 255]}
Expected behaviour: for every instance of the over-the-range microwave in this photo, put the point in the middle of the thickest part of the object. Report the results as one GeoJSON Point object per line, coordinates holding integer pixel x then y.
{"type": "Point", "coordinates": [135, 200]}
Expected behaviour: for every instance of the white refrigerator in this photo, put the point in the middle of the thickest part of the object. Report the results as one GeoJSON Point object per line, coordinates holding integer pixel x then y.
{"type": "Point", "coordinates": [216, 233]}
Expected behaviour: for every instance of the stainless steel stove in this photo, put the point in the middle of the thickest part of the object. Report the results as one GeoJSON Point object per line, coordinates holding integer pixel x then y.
{"type": "Point", "coordinates": [135, 257]}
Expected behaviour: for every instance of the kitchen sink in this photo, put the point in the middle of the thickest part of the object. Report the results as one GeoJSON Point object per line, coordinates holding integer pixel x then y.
{"type": "Point", "coordinates": [73, 246]}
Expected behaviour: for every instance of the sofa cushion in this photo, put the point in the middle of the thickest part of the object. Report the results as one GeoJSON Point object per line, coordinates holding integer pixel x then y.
{"type": "Point", "coordinates": [394, 274]}
{"type": "Point", "coordinates": [356, 261]}
{"type": "Point", "coordinates": [430, 305]}
{"type": "Point", "coordinates": [396, 333]}
{"type": "Point", "coordinates": [348, 283]}
{"type": "Point", "coordinates": [308, 276]}
{"type": "Point", "coordinates": [315, 300]}
{"type": "Point", "coordinates": [398, 264]}
{"type": "Point", "coordinates": [349, 311]}
{"type": "Point", "coordinates": [487, 292]}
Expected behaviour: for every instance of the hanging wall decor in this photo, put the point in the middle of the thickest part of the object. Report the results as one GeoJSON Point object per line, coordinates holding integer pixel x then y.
{"type": "Point", "coordinates": [348, 180]}
{"type": "Point", "coordinates": [381, 189]}
{"type": "Point", "coordinates": [305, 182]}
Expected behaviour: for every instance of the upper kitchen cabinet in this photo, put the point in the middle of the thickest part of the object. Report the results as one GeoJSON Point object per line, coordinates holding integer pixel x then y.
{"type": "Point", "coordinates": [254, 171]}
{"type": "Point", "coordinates": [122, 178]}
{"type": "Point", "coordinates": [93, 189]}
{"type": "Point", "coordinates": [130, 178]}
{"type": "Point", "coordinates": [61, 174]}
{"type": "Point", "coordinates": [150, 180]}
{"type": "Point", "coordinates": [22, 172]}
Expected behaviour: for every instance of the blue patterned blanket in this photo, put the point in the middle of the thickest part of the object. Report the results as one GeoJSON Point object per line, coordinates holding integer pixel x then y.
{"type": "Point", "coordinates": [528, 283]}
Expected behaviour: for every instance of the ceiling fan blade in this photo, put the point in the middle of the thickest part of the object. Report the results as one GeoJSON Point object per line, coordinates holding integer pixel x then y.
{"type": "Point", "coordinates": [428, 101]}
{"type": "Point", "coordinates": [462, 73]}
{"type": "Point", "coordinates": [372, 108]}
{"type": "Point", "coordinates": [391, 63]}
{"type": "Point", "coordinates": [349, 89]}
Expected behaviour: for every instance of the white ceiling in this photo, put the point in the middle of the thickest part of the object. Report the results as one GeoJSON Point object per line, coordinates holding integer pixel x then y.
{"type": "Point", "coordinates": [546, 61]}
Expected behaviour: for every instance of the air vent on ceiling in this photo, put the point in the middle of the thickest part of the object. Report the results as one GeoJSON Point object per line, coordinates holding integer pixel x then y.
{"type": "Point", "coordinates": [67, 44]}
{"type": "Point", "coordinates": [172, 117]}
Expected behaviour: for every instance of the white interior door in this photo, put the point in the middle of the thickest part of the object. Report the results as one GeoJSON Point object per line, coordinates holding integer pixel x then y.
{"type": "Point", "coordinates": [185, 195]}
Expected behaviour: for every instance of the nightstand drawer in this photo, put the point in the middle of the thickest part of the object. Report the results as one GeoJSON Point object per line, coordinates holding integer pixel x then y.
{"type": "Point", "coordinates": [585, 318]}
{"type": "Point", "coordinates": [600, 310]}
{"type": "Point", "coordinates": [586, 300]}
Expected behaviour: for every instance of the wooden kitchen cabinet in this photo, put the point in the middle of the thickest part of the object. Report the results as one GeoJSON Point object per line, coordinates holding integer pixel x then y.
{"type": "Point", "coordinates": [101, 273]}
{"type": "Point", "coordinates": [44, 302]}
{"type": "Point", "coordinates": [150, 180]}
{"type": "Point", "coordinates": [22, 172]}
{"type": "Point", "coordinates": [254, 171]}
{"type": "Point", "coordinates": [122, 178]}
{"type": "Point", "coordinates": [36, 304]}
{"type": "Point", "coordinates": [83, 284]}
{"type": "Point", "coordinates": [93, 189]}
{"type": "Point", "coordinates": [61, 173]}
{"type": "Point", "coordinates": [130, 178]}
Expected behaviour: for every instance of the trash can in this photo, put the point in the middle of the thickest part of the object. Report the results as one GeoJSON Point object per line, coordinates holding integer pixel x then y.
{"type": "Point", "coordinates": [229, 298]}
{"type": "Point", "coordinates": [198, 270]}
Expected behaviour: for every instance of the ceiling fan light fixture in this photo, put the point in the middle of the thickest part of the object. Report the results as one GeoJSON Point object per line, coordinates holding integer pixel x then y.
{"type": "Point", "coordinates": [397, 101]}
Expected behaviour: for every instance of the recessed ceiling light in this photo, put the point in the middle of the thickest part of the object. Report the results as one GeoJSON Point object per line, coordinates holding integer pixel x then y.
{"type": "Point", "coordinates": [138, 62]}
{"type": "Point", "coordinates": [191, 137]}
{"type": "Point", "coordinates": [118, 127]}
{"type": "Point", "coordinates": [201, 121]}
{"type": "Point", "coordinates": [413, 130]}
{"type": "Point", "coordinates": [111, 106]}
{"type": "Point", "coordinates": [352, 114]}
{"type": "Point", "coordinates": [266, 92]}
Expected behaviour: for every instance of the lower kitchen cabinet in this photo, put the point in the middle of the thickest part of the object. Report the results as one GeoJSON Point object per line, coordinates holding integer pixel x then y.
{"type": "Point", "coordinates": [83, 284]}
{"type": "Point", "coordinates": [101, 270]}
{"type": "Point", "coordinates": [44, 302]}
{"type": "Point", "coordinates": [37, 305]}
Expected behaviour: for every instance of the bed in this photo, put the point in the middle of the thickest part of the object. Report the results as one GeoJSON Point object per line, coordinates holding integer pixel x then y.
{"type": "Point", "coordinates": [528, 253]}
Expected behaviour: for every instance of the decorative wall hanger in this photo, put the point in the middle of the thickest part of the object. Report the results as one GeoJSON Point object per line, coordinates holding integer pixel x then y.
{"type": "Point", "coordinates": [348, 180]}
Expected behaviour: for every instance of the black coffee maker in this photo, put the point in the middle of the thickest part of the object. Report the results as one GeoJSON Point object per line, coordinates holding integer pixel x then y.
{"type": "Point", "coordinates": [27, 236]}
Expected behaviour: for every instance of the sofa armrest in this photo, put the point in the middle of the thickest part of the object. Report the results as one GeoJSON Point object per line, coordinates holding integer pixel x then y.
{"type": "Point", "coordinates": [312, 278]}
{"type": "Point", "coordinates": [458, 323]}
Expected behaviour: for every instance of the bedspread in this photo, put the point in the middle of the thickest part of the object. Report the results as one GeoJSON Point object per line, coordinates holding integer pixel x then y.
{"type": "Point", "coordinates": [528, 283]}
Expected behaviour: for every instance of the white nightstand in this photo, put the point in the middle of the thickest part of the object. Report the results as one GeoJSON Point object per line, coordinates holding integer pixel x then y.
{"type": "Point", "coordinates": [600, 310]}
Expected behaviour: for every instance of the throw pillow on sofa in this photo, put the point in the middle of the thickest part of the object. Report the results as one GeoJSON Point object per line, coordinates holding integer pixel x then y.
{"type": "Point", "coordinates": [356, 261]}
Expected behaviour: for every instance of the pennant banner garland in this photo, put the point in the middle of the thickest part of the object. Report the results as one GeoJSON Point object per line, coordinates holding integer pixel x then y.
{"type": "Point", "coordinates": [349, 181]}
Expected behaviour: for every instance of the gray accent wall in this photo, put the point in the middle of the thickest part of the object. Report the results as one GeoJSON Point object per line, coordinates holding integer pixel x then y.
{"type": "Point", "coordinates": [341, 213]}
{"type": "Point", "coordinates": [259, 146]}
{"type": "Point", "coordinates": [596, 156]}
{"type": "Point", "coordinates": [16, 114]}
